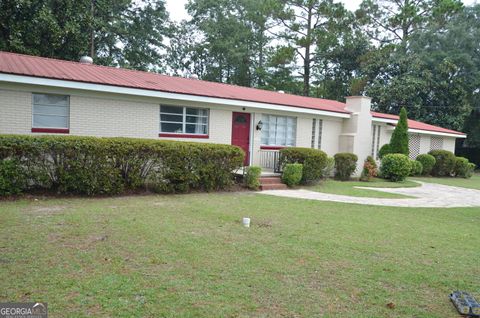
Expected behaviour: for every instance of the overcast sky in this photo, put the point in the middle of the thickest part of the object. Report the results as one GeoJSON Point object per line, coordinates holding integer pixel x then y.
{"type": "Point", "coordinates": [176, 8]}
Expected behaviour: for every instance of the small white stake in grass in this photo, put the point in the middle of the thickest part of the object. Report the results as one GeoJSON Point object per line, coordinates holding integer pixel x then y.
{"type": "Point", "coordinates": [246, 222]}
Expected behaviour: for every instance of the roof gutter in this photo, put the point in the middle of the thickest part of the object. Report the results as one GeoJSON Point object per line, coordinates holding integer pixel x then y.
{"type": "Point", "coordinates": [21, 79]}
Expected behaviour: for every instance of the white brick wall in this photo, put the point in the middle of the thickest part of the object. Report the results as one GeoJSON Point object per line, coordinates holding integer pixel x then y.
{"type": "Point", "coordinates": [108, 118]}
{"type": "Point", "coordinates": [304, 132]}
{"type": "Point", "coordinates": [104, 116]}
{"type": "Point", "coordinates": [330, 137]}
{"type": "Point", "coordinates": [15, 112]}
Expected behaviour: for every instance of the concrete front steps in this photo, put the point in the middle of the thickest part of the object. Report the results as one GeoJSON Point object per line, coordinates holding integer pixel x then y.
{"type": "Point", "coordinates": [272, 183]}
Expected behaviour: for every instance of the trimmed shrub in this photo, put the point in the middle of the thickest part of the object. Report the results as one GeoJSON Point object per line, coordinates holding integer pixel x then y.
{"type": "Point", "coordinates": [292, 174]}
{"type": "Point", "coordinates": [12, 178]}
{"type": "Point", "coordinates": [417, 168]}
{"type": "Point", "coordinates": [89, 165]}
{"type": "Point", "coordinates": [444, 163]}
{"type": "Point", "coordinates": [314, 162]}
{"type": "Point", "coordinates": [395, 167]}
{"type": "Point", "coordinates": [252, 177]}
{"type": "Point", "coordinates": [399, 140]}
{"type": "Point", "coordinates": [428, 162]}
{"type": "Point", "coordinates": [463, 168]}
{"type": "Point", "coordinates": [384, 150]}
{"type": "Point", "coordinates": [345, 165]}
{"type": "Point", "coordinates": [330, 166]}
{"type": "Point", "coordinates": [369, 170]}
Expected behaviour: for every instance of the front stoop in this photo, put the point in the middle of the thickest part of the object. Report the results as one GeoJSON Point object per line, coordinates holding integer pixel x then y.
{"type": "Point", "coordinates": [272, 183]}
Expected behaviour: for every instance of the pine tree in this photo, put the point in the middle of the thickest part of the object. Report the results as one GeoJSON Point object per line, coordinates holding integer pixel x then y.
{"type": "Point", "coordinates": [399, 140]}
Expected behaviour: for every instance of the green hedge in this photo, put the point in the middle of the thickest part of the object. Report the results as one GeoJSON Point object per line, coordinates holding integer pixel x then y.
{"type": "Point", "coordinates": [329, 168]}
{"type": "Point", "coordinates": [384, 150]}
{"type": "Point", "coordinates": [12, 178]}
{"type": "Point", "coordinates": [444, 163]}
{"type": "Point", "coordinates": [463, 168]}
{"type": "Point", "coordinates": [345, 165]}
{"type": "Point", "coordinates": [427, 161]}
{"type": "Point", "coordinates": [90, 166]}
{"type": "Point", "coordinates": [395, 167]}
{"type": "Point", "coordinates": [314, 162]}
{"type": "Point", "coordinates": [252, 177]}
{"type": "Point", "coordinates": [292, 174]}
{"type": "Point", "coordinates": [416, 168]}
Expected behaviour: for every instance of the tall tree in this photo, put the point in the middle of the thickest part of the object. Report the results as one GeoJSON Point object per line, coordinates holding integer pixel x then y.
{"type": "Point", "coordinates": [234, 38]}
{"type": "Point", "coordinates": [280, 71]}
{"type": "Point", "coordinates": [399, 139]}
{"type": "Point", "coordinates": [125, 33]}
{"type": "Point", "coordinates": [437, 78]}
{"type": "Point", "coordinates": [338, 69]}
{"type": "Point", "coordinates": [301, 22]}
{"type": "Point", "coordinates": [395, 21]}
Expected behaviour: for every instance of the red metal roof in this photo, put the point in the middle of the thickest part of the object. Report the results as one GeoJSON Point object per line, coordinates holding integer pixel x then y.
{"type": "Point", "coordinates": [19, 64]}
{"type": "Point", "coordinates": [413, 124]}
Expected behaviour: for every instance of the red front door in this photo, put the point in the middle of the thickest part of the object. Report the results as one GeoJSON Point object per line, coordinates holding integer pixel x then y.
{"type": "Point", "coordinates": [241, 133]}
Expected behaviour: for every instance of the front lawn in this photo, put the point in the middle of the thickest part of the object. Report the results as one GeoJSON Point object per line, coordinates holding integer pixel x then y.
{"type": "Point", "coordinates": [350, 188]}
{"type": "Point", "coordinates": [472, 183]}
{"type": "Point", "coordinates": [189, 256]}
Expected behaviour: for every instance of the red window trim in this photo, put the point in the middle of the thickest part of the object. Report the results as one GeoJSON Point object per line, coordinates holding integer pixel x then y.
{"type": "Point", "coordinates": [51, 130]}
{"type": "Point", "coordinates": [272, 147]}
{"type": "Point", "coordinates": [183, 136]}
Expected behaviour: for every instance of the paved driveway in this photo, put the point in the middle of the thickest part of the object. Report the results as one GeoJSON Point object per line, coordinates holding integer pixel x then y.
{"type": "Point", "coordinates": [427, 195]}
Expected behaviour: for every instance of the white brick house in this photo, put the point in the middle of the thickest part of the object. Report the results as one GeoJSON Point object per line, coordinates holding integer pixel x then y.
{"type": "Point", "coordinates": [47, 96]}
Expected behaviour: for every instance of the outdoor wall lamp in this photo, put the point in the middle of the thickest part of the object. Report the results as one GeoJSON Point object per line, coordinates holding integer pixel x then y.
{"type": "Point", "coordinates": [259, 125]}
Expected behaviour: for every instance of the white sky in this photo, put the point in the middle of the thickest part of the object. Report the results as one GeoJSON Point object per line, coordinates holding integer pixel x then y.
{"type": "Point", "coordinates": [176, 8]}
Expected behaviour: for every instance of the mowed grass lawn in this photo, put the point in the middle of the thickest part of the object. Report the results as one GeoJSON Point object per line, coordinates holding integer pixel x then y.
{"type": "Point", "coordinates": [189, 256]}
{"type": "Point", "coordinates": [350, 188]}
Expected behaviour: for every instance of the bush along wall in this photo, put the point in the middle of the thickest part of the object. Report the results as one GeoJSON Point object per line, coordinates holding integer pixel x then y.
{"type": "Point", "coordinates": [252, 177]}
{"type": "Point", "coordinates": [395, 167]}
{"type": "Point", "coordinates": [345, 165]}
{"type": "Point", "coordinates": [314, 162]}
{"type": "Point", "coordinates": [292, 174]}
{"type": "Point", "coordinates": [92, 166]}
{"type": "Point", "coordinates": [444, 163]}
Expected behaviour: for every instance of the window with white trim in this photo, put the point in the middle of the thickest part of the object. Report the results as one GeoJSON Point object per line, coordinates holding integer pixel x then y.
{"type": "Point", "coordinates": [183, 120]}
{"type": "Point", "coordinates": [320, 132]}
{"type": "Point", "coordinates": [314, 122]}
{"type": "Point", "coordinates": [278, 130]}
{"type": "Point", "coordinates": [50, 111]}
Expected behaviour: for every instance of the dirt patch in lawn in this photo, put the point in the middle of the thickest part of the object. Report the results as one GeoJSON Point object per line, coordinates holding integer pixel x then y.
{"type": "Point", "coordinates": [47, 210]}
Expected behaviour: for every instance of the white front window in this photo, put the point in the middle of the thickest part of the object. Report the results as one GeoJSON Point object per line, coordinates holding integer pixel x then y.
{"type": "Point", "coordinates": [183, 120]}
{"type": "Point", "coordinates": [278, 130]}
{"type": "Point", "coordinates": [51, 111]}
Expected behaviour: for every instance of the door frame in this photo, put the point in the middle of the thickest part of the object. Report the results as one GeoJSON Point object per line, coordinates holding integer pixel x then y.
{"type": "Point", "coordinates": [250, 133]}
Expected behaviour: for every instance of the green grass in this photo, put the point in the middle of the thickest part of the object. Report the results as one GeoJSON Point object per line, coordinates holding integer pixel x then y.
{"type": "Point", "coordinates": [472, 183]}
{"type": "Point", "coordinates": [189, 256]}
{"type": "Point", "coordinates": [349, 188]}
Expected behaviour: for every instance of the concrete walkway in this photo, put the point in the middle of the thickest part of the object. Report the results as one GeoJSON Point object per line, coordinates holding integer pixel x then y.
{"type": "Point", "coordinates": [428, 195]}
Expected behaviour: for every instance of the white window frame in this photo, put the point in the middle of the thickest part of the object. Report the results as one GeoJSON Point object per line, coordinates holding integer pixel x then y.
{"type": "Point", "coordinates": [286, 129]}
{"type": "Point", "coordinates": [40, 114]}
{"type": "Point", "coordinates": [184, 120]}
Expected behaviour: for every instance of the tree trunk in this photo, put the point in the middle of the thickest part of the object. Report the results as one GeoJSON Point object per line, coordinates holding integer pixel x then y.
{"type": "Point", "coordinates": [306, 60]}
